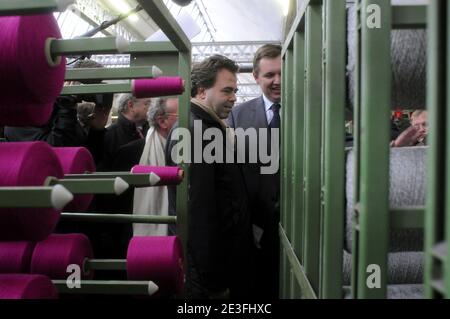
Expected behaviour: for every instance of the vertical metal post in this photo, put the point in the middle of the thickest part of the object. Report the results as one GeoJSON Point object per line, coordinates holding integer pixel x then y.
{"type": "Point", "coordinates": [334, 152]}
{"type": "Point", "coordinates": [298, 115]}
{"type": "Point", "coordinates": [356, 151]}
{"type": "Point", "coordinates": [313, 117]}
{"type": "Point", "coordinates": [374, 179]}
{"type": "Point", "coordinates": [436, 103]}
{"type": "Point", "coordinates": [184, 68]}
{"type": "Point", "coordinates": [283, 196]}
{"type": "Point", "coordinates": [287, 149]}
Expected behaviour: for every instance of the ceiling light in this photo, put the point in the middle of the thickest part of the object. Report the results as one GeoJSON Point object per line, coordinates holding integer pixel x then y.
{"type": "Point", "coordinates": [123, 7]}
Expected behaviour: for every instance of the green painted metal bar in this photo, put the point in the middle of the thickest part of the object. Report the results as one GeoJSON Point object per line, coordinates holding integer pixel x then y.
{"type": "Point", "coordinates": [97, 89]}
{"type": "Point", "coordinates": [313, 116]}
{"type": "Point", "coordinates": [119, 218]}
{"type": "Point", "coordinates": [287, 136]}
{"type": "Point", "coordinates": [139, 72]}
{"type": "Point", "coordinates": [409, 17]}
{"type": "Point", "coordinates": [446, 142]}
{"type": "Point", "coordinates": [282, 260]}
{"type": "Point", "coordinates": [105, 264]}
{"type": "Point", "coordinates": [436, 102]}
{"type": "Point", "coordinates": [298, 116]}
{"type": "Point", "coordinates": [334, 153]}
{"type": "Point", "coordinates": [407, 218]}
{"type": "Point", "coordinates": [135, 180]}
{"type": "Point", "coordinates": [184, 68]}
{"type": "Point", "coordinates": [98, 287]}
{"type": "Point", "coordinates": [374, 183]}
{"type": "Point", "coordinates": [34, 197]}
{"type": "Point", "coordinates": [159, 13]}
{"type": "Point", "coordinates": [298, 270]}
{"type": "Point", "coordinates": [297, 25]}
{"type": "Point", "coordinates": [23, 7]}
{"type": "Point", "coordinates": [79, 46]}
{"type": "Point", "coordinates": [151, 47]}
{"type": "Point", "coordinates": [92, 186]}
{"type": "Point", "coordinates": [357, 153]}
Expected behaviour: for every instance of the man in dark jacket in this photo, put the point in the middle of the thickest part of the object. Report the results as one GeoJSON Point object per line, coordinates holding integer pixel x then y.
{"type": "Point", "coordinates": [131, 125]}
{"type": "Point", "coordinates": [263, 113]}
{"type": "Point", "coordinates": [219, 235]}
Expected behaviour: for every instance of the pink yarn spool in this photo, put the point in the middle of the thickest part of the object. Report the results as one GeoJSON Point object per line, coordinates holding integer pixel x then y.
{"type": "Point", "coordinates": [15, 257]}
{"type": "Point", "coordinates": [158, 259]}
{"type": "Point", "coordinates": [17, 286]}
{"type": "Point", "coordinates": [160, 86]}
{"type": "Point", "coordinates": [27, 164]}
{"type": "Point", "coordinates": [76, 160]}
{"type": "Point", "coordinates": [52, 256]}
{"type": "Point", "coordinates": [30, 81]}
{"type": "Point", "coordinates": [169, 175]}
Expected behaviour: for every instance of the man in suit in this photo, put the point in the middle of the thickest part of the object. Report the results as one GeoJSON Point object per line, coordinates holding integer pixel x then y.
{"type": "Point", "coordinates": [219, 244]}
{"type": "Point", "coordinates": [263, 113]}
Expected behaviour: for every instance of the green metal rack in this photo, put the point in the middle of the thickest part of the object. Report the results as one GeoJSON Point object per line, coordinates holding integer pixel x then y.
{"type": "Point", "coordinates": [313, 149]}
{"type": "Point", "coordinates": [172, 58]}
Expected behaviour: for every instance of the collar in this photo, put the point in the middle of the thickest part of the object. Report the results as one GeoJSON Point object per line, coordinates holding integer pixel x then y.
{"type": "Point", "coordinates": [267, 103]}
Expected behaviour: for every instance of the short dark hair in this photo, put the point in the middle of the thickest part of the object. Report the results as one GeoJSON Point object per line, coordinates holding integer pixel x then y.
{"type": "Point", "coordinates": [203, 74]}
{"type": "Point", "coordinates": [270, 51]}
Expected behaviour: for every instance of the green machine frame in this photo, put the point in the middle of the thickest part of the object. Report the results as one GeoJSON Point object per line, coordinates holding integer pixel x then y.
{"type": "Point", "coordinates": [313, 148]}
{"type": "Point", "coordinates": [173, 58]}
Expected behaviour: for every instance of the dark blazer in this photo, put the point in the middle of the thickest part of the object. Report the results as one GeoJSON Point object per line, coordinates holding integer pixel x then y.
{"type": "Point", "coordinates": [118, 134]}
{"type": "Point", "coordinates": [219, 234]}
{"type": "Point", "coordinates": [264, 196]}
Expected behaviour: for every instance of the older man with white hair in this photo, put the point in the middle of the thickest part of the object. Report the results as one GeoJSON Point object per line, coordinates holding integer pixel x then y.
{"type": "Point", "coordinates": [162, 114]}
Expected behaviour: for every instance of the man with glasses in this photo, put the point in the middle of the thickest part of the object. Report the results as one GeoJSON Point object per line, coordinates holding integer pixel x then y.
{"type": "Point", "coordinates": [162, 115]}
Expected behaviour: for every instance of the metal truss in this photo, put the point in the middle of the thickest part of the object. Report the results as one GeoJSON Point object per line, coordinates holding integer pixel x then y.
{"type": "Point", "coordinates": [94, 14]}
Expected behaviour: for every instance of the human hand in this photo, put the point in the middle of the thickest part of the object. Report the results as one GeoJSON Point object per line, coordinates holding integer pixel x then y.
{"type": "Point", "coordinates": [411, 136]}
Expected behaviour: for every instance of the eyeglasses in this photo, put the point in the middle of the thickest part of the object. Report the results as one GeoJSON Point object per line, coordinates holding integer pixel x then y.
{"type": "Point", "coordinates": [172, 114]}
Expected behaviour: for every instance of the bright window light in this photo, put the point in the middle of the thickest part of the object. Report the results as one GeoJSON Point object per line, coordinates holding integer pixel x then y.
{"type": "Point", "coordinates": [285, 4]}
{"type": "Point", "coordinates": [122, 7]}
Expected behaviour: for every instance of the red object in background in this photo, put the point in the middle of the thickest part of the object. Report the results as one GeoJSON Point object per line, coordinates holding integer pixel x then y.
{"type": "Point", "coordinates": [398, 114]}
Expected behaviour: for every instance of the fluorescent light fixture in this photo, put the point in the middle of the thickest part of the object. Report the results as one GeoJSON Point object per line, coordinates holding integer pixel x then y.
{"type": "Point", "coordinates": [123, 7]}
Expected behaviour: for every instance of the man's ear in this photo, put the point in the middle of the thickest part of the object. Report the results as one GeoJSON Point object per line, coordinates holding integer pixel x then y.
{"type": "Point", "coordinates": [255, 75]}
{"type": "Point", "coordinates": [201, 93]}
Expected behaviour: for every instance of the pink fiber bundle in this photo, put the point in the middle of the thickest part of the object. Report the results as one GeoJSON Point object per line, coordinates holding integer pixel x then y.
{"type": "Point", "coordinates": [158, 259]}
{"type": "Point", "coordinates": [27, 164]}
{"type": "Point", "coordinates": [16, 286]}
{"type": "Point", "coordinates": [15, 257]}
{"type": "Point", "coordinates": [161, 86]}
{"type": "Point", "coordinates": [52, 256]}
{"type": "Point", "coordinates": [76, 160]}
{"type": "Point", "coordinates": [29, 84]}
{"type": "Point", "coordinates": [169, 175]}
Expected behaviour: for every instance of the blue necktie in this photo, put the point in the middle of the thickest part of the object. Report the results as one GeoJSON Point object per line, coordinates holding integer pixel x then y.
{"type": "Point", "coordinates": [276, 120]}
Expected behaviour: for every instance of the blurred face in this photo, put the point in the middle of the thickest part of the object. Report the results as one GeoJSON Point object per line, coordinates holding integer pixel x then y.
{"type": "Point", "coordinates": [172, 113]}
{"type": "Point", "coordinates": [139, 110]}
{"type": "Point", "coordinates": [268, 78]}
{"type": "Point", "coordinates": [222, 96]}
{"type": "Point", "coordinates": [420, 124]}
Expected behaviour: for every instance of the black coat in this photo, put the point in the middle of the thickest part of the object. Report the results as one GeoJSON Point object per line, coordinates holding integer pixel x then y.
{"type": "Point", "coordinates": [118, 134]}
{"type": "Point", "coordinates": [219, 234]}
{"type": "Point", "coordinates": [264, 194]}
